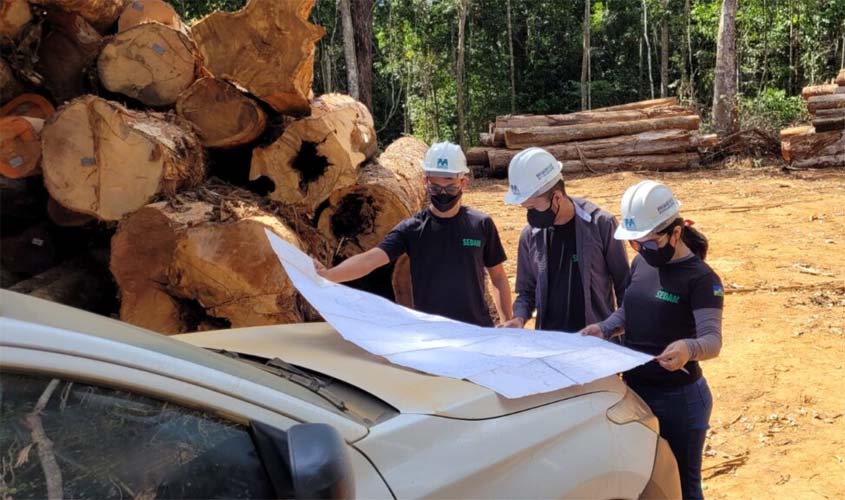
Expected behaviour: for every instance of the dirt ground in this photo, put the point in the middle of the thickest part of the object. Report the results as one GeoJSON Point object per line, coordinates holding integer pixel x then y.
{"type": "Point", "coordinates": [777, 240]}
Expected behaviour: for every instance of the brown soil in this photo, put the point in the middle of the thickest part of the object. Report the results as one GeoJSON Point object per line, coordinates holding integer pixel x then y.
{"type": "Point", "coordinates": [778, 243]}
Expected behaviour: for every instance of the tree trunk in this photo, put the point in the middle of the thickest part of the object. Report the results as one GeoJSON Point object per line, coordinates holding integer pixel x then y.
{"type": "Point", "coordinates": [267, 48]}
{"type": "Point", "coordinates": [67, 55]}
{"type": "Point", "coordinates": [460, 84]}
{"type": "Point", "coordinates": [14, 16]}
{"type": "Point", "coordinates": [478, 155]}
{"type": "Point", "coordinates": [651, 163]}
{"type": "Point", "coordinates": [819, 102]}
{"type": "Point", "coordinates": [349, 53]}
{"type": "Point", "coordinates": [830, 113]}
{"type": "Point", "coordinates": [223, 116]}
{"type": "Point", "coordinates": [724, 83]}
{"type": "Point", "coordinates": [688, 18]}
{"type": "Point", "coordinates": [664, 49]}
{"type": "Point", "coordinates": [829, 124]}
{"type": "Point", "coordinates": [522, 121]}
{"type": "Point", "coordinates": [362, 21]}
{"type": "Point", "coordinates": [104, 160]}
{"type": "Point", "coordinates": [543, 136]}
{"type": "Point", "coordinates": [144, 11]}
{"type": "Point", "coordinates": [585, 58]}
{"type": "Point", "coordinates": [511, 59]}
{"type": "Point", "coordinates": [803, 143]}
{"type": "Point", "coordinates": [150, 62]}
{"type": "Point", "coordinates": [840, 78]}
{"type": "Point", "coordinates": [648, 48]}
{"type": "Point", "coordinates": [20, 146]}
{"type": "Point", "coordinates": [652, 103]}
{"type": "Point", "coordinates": [101, 14]}
{"type": "Point", "coordinates": [30, 105]}
{"type": "Point", "coordinates": [317, 154]}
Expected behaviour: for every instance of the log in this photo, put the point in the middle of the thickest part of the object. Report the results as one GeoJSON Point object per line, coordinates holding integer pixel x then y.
{"type": "Point", "coordinates": [30, 252]}
{"type": "Point", "coordinates": [10, 86]}
{"type": "Point", "coordinates": [478, 156]}
{"type": "Point", "coordinates": [830, 113]}
{"type": "Point", "coordinates": [20, 146]}
{"type": "Point", "coordinates": [795, 131]}
{"type": "Point", "coordinates": [82, 282]}
{"type": "Point", "coordinates": [31, 105]}
{"type": "Point", "coordinates": [542, 136]}
{"type": "Point", "coordinates": [707, 141]}
{"type": "Point", "coordinates": [387, 190]}
{"type": "Point", "coordinates": [67, 55]}
{"type": "Point", "coordinates": [101, 14]}
{"type": "Point", "coordinates": [64, 217]}
{"type": "Point", "coordinates": [223, 116]}
{"type": "Point", "coordinates": [582, 117]}
{"type": "Point", "coordinates": [150, 62]}
{"type": "Point", "coordinates": [818, 102]}
{"type": "Point", "coordinates": [317, 154]}
{"type": "Point", "coordinates": [840, 77]}
{"type": "Point", "coordinates": [829, 124]}
{"type": "Point", "coordinates": [104, 160]}
{"type": "Point", "coordinates": [832, 161]}
{"type": "Point", "coordinates": [174, 262]}
{"type": "Point", "coordinates": [14, 16]}
{"type": "Point", "coordinates": [267, 48]}
{"type": "Point", "coordinates": [827, 89]}
{"type": "Point", "coordinates": [652, 103]}
{"type": "Point", "coordinates": [22, 204]}
{"type": "Point", "coordinates": [656, 163]}
{"type": "Point", "coordinates": [810, 144]}
{"type": "Point", "coordinates": [144, 11]}
{"type": "Point", "coordinates": [485, 139]}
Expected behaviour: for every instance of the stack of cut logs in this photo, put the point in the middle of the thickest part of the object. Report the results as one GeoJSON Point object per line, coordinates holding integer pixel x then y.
{"type": "Point", "coordinates": [649, 135]}
{"type": "Point", "coordinates": [821, 144]}
{"type": "Point", "coordinates": [142, 159]}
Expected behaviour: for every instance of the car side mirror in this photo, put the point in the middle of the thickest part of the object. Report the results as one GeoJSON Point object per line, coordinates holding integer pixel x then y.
{"type": "Point", "coordinates": [307, 461]}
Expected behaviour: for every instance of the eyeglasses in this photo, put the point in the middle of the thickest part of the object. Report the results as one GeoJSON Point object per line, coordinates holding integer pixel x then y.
{"type": "Point", "coordinates": [434, 189]}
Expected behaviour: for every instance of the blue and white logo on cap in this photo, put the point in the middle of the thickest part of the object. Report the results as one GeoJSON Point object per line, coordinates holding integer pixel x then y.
{"type": "Point", "coordinates": [630, 224]}
{"type": "Point", "coordinates": [443, 163]}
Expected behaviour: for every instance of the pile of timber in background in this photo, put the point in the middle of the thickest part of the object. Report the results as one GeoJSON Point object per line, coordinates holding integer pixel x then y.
{"type": "Point", "coordinates": [649, 135]}
{"type": "Point", "coordinates": [141, 160]}
{"type": "Point", "coordinates": [821, 144]}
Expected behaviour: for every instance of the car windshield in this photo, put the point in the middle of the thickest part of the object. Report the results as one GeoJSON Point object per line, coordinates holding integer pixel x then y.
{"type": "Point", "coordinates": [346, 399]}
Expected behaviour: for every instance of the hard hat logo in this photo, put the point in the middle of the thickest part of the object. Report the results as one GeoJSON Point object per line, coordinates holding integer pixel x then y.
{"type": "Point", "coordinates": [666, 206]}
{"type": "Point", "coordinates": [645, 207]}
{"type": "Point", "coordinates": [445, 160]}
{"type": "Point", "coordinates": [542, 173]}
{"type": "Point", "coordinates": [531, 171]}
{"type": "Point", "coordinates": [630, 225]}
{"type": "Point", "coordinates": [443, 163]}
{"type": "Point", "coordinates": [515, 189]}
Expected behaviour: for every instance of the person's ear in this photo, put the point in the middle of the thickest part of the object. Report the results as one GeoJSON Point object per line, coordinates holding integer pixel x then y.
{"type": "Point", "coordinates": [464, 182]}
{"type": "Point", "coordinates": [676, 235]}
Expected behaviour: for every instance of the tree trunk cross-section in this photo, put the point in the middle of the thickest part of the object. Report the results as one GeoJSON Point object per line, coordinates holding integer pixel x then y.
{"type": "Point", "coordinates": [224, 117]}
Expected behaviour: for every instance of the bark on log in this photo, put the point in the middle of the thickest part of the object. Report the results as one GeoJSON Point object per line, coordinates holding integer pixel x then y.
{"type": "Point", "coordinates": [241, 46]}
{"type": "Point", "coordinates": [67, 55]}
{"type": "Point", "coordinates": [224, 117]}
{"type": "Point", "coordinates": [810, 144]}
{"type": "Point", "coordinates": [707, 141]}
{"type": "Point", "coordinates": [104, 160]}
{"type": "Point", "coordinates": [10, 86]}
{"type": "Point", "coordinates": [583, 117]}
{"type": "Point", "coordinates": [830, 113]}
{"type": "Point", "coordinates": [816, 90]}
{"type": "Point", "coordinates": [14, 16]}
{"type": "Point", "coordinates": [20, 146]}
{"type": "Point", "coordinates": [840, 77]}
{"type": "Point", "coordinates": [82, 282]}
{"type": "Point", "coordinates": [833, 101]}
{"type": "Point", "coordinates": [829, 124]}
{"type": "Point", "coordinates": [150, 62]}
{"type": "Point", "coordinates": [832, 161]}
{"type": "Point", "coordinates": [166, 258]}
{"type": "Point", "coordinates": [317, 154]}
{"type": "Point", "coordinates": [652, 103]}
{"type": "Point", "coordinates": [64, 217]}
{"type": "Point", "coordinates": [542, 136]}
{"type": "Point", "coordinates": [387, 190]}
{"type": "Point", "coordinates": [645, 143]}
{"type": "Point", "coordinates": [144, 11]}
{"type": "Point", "coordinates": [478, 156]}
{"type": "Point", "coordinates": [656, 163]}
{"type": "Point", "coordinates": [31, 105]}
{"type": "Point", "coordinates": [101, 14]}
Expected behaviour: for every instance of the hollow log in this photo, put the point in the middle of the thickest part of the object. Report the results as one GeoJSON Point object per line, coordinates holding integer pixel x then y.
{"type": "Point", "coordinates": [67, 55]}
{"type": "Point", "coordinates": [10, 85]}
{"type": "Point", "coordinates": [478, 156]}
{"type": "Point", "coordinates": [387, 190]}
{"type": "Point", "coordinates": [150, 62]}
{"type": "Point", "coordinates": [818, 102]}
{"type": "Point", "coordinates": [317, 154]}
{"type": "Point", "coordinates": [831, 161]}
{"type": "Point", "coordinates": [104, 160]}
{"type": "Point", "coordinates": [101, 14]}
{"type": "Point", "coordinates": [543, 136]}
{"type": "Point", "coordinates": [652, 103]}
{"type": "Point", "coordinates": [14, 16]}
{"type": "Point", "coordinates": [810, 144]}
{"type": "Point", "coordinates": [657, 163]}
{"type": "Point", "coordinates": [582, 117]}
{"type": "Point", "coordinates": [31, 105]}
{"type": "Point", "coordinates": [224, 117]}
{"type": "Point", "coordinates": [267, 48]}
{"type": "Point", "coordinates": [64, 217]}
{"type": "Point", "coordinates": [30, 252]}
{"type": "Point", "coordinates": [829, 124]}
{"type": "Point", "coordinates": [144, 11]}
{"type": "Point", "coordinates": [20, 146]}
{"type": "Point", "coordinates": [179, 267]}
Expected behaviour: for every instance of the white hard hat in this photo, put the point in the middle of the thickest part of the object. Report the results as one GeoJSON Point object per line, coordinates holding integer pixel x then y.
{"type": "Point", "coordinates": [645, 207]}
{"type": "Point", "coordinates": [445, 159]}
{"type": "Point", "coordinates": [531, 172]}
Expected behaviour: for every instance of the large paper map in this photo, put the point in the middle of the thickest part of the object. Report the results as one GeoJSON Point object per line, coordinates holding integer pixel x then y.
{"type": "Point", "coordinates": [512, 362]}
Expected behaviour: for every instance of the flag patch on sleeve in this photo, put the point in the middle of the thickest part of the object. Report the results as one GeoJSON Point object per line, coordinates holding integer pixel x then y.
{"type": "Point", "coordinates": [718, 291]}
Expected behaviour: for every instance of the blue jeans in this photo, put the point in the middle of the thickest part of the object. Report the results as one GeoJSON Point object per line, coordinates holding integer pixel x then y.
{"type": "Point", "coordinates": [684, 416]}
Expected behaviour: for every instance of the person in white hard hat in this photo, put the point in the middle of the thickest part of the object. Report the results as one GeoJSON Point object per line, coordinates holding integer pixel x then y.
{"type": "Point", "coordinates": [570, 269]}
{"type": "Point", "coordinates": [672, 310]}
{"type": "Point", "coordinates": [450, 246]}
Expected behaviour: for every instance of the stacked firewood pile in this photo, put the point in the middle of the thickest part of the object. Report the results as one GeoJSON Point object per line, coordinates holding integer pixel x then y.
{"type": "Point", "coordinates": [821, 144]}
{"type": "Point", "coordinates": [650, 135]}
{"type": "Point", "coordinates": [142, 159]}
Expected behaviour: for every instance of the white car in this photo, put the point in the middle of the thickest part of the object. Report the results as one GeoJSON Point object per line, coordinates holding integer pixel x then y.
{"type": "Point", "coordinates": [91, 407]}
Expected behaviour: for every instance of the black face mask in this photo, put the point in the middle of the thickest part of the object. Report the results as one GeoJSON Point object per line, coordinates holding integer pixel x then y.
{"type": "Point", "coordinates": [444, 202]}
{"type": "Point", "coordinates": [659, 257]}
{"type": "Point", "coordinates": [542, 219]}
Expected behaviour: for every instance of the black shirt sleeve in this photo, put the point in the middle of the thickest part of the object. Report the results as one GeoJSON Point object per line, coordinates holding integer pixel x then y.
{"type": "Point", "coordinates": [494, 252]}
{"type": "Point", "coordinates": [707, 292]}
{"type": "Point", "coordinates": [395, 244]}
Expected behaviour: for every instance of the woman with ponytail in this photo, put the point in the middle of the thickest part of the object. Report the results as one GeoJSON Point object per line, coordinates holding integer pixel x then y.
{"type": "Point", "coordinates": [673, 311]}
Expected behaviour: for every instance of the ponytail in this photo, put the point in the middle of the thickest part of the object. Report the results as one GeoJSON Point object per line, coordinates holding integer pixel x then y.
{"type": "Point", "coordinates": [694, 239]}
